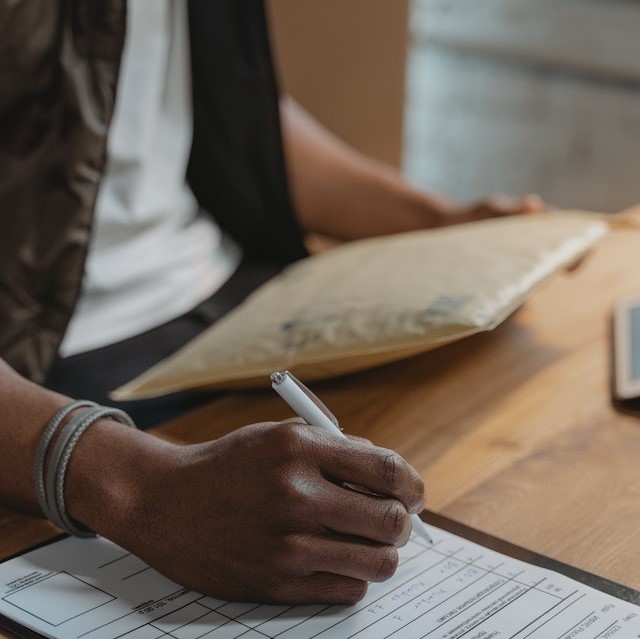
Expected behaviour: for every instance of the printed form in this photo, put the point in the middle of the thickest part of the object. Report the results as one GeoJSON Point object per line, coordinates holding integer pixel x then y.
{"type": "Point", "coordinates": [455, 589]}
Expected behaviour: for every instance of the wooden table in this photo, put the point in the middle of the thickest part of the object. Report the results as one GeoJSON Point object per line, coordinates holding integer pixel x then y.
{"type": "Point", "coordinates": [514, 431]}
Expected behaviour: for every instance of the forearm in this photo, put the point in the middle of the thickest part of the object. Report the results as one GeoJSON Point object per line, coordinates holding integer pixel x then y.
{"type": "Point", "coordinates": [26, 409]}
{"type": "Point", "coordinates": [100, 489]}
{"type": "Point", "coordinates": [344, 194]}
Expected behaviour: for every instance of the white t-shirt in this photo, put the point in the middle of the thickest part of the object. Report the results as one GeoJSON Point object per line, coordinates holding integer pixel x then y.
{"type": "Point", "coordinates": [153, 254]}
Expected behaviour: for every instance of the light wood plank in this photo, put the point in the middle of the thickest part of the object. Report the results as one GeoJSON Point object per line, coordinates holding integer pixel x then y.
{"type": "Point", "coordinates": [514, 430]}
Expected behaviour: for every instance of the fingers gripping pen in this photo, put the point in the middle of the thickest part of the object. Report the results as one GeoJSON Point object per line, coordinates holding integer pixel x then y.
{"type": "Point", "coordinates": [308, 406]}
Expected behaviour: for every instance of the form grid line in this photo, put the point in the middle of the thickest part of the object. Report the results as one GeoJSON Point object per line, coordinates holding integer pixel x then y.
{"type": "Point", "coordinates": [553, 616]}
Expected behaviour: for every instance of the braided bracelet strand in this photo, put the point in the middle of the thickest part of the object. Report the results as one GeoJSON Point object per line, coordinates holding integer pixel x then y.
{"type": "Point", "coordinates": [50, 486]}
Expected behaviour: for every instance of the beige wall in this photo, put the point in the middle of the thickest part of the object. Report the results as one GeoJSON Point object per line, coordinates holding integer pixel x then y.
{"type": "Point", "coordinates": [344, 60]}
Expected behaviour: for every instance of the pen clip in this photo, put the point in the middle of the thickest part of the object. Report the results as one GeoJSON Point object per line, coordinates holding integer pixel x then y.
{"type": "Point", "coordinates": [278, 378]}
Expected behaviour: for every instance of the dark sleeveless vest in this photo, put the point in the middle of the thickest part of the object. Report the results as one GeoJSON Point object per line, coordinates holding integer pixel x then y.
{"type": "Point", "coordinates": [59, 65]}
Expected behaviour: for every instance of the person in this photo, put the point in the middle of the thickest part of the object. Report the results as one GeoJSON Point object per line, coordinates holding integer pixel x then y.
{"type": "Point", "coordinates": [130, 221]}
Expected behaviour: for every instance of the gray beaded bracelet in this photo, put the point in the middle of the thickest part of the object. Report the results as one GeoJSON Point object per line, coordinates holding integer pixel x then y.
{"type": "Point", "coordinates": [50, 488]}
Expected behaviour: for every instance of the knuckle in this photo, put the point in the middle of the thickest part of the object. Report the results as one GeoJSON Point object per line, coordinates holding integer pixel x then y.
{"type": "Point", "coordinates": [387, 564]}
{"type": "Point", "coordinates": [394, 521]}
{"type": "Point", "coordinates": [295, 440]}
{"type": "Point", "coordinates": [292, 553]}
{"type": "Point", "coordinates": [390, 463]}
{"type": "Point", "coordinates": [294, 488]}
{"type": "Point", "coordinates": [290, 437]}
{"type": "Point", "coordinates": [301, 501]}
{"type": "Point", "coordinates": [276, 590]}
{"type": "Point", "coordinates": [354, 591]}
{"type": "Point", "coordinates": [289, 492]}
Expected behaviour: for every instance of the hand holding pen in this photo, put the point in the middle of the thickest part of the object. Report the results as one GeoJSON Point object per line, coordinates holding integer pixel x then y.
{"type": "Point", "coordinates": [260, 514]}
{"type": "Point", "coordinates": [310, 408]}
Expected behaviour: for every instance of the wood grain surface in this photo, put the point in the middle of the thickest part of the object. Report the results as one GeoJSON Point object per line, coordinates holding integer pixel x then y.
{"type": "Point", "coordinates": [514, 431]}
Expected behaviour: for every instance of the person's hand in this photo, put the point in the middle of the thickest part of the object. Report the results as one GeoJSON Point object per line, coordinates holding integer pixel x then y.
{"type": "Point", "coordinates": [261, 514]}
{"type": "Point", "coordinates": [495, 206]}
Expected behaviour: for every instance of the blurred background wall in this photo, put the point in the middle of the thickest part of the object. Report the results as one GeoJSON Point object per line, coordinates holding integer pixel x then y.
{"type": "Point", "coordinates": [472, 98]}
{"type": "Point", "coordinates": [345, 61]}
{"type": "Point", "coordinates": [515, 96]}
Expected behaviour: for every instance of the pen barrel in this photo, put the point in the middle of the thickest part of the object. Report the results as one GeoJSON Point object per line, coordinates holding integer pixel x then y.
{"type": "Point", "coordinates": [304, 407]}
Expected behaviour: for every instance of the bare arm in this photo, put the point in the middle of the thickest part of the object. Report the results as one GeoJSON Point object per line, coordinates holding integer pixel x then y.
{"type": "Point", "coordinates": [342, 193]}
{"type": "Point", "coordinates": [259, 514]}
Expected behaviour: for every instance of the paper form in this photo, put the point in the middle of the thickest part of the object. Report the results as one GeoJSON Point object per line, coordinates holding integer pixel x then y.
{"type": "Point", "coordinates": [455, 589]}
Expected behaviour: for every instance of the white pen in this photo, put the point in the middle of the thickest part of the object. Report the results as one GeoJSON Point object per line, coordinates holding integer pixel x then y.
{"type": "Point", "coordinates": [314, 412]}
